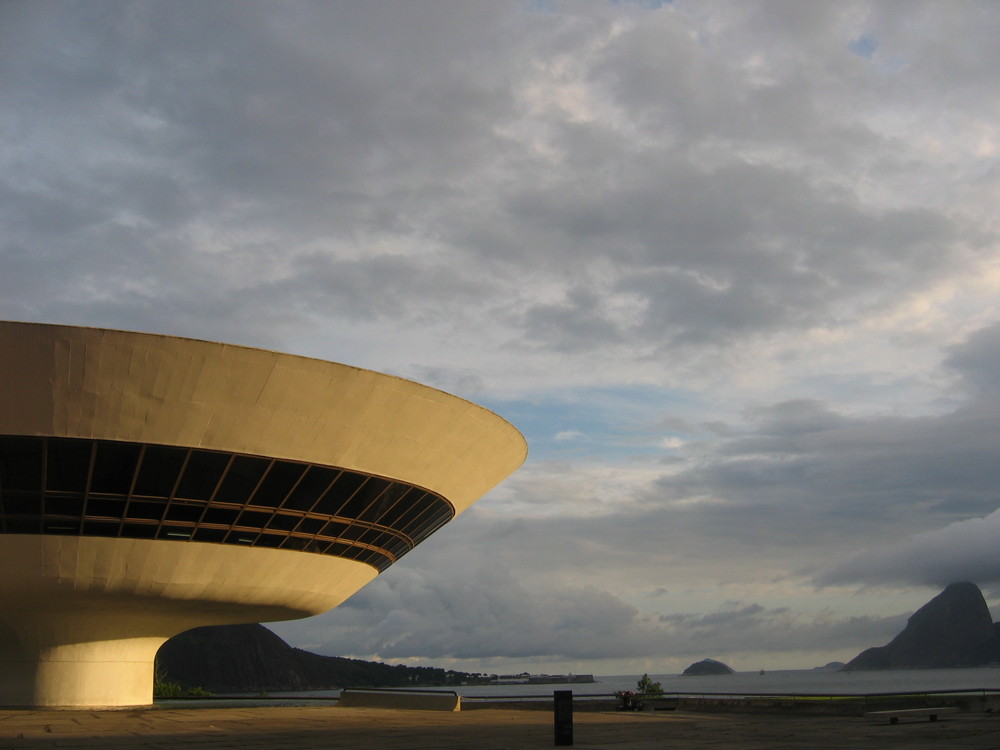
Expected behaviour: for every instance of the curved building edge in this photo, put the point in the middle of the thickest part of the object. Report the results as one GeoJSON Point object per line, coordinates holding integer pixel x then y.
{"type": "Point", "coordinates": [107, 539]}
{"type": "Point", "coordinates": [152, 388]}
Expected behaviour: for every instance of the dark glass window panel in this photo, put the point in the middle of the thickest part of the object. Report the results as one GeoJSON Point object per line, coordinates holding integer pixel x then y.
{"type": "Point", "coordinates": [22, 505]}
{"type": "Point", "coordinates": [226, 516]}
{"type": "Point", "coordinates": [209, 535]}
{"type": "Point", "coordinates": [295, 543]}
{"type": "Point", "coordinates": [413, 501]}
{"type": "Point", "coordinates": [138, 531]}
{"type": "Point", "coordinates": [101, 507]}
{"type": "Point", "coordinates": [282, 522]}
{"type": "Point", "coordinates": [201, 475]}
{"type": "Point", "coordinates": [371, 557]}
{"type": "Point", "coordinates": [277, 484]}
{"type": "Point", "coordinates": [415, 512]}
{"type": "Point", "coordinates": [339, 549]}
{"type": "Point", "coordinates": [362, 554]}
{"type": "Point", "coordinates": [391, 497]}
{"type": "Point", "coordinates": [310, 525]}
{"type": "Point", "coordinates": [146, 509]}
{"type": "Point", "coordinates": [415, 530]}
{"type": "Point", "coordinates": [440, 516]}
{"type": "Point", "coordinates": [333, 529]}
{"type": "Point", "coordinates": [392, 543]}
{"type": "Point", "coordinates": [160, 468]}
{"type": "Point", "coordinates": [183, 512]}
{"type": "Point", "coordinates": [23, 525]}
{"type": "Point", "coordinates": [254, 520]}
{"type": "Point", "coordinates": [365, 536]}
{"type": "Point", "coordinates": [397, 547]}
{"type": "Point", "coordinates": [364, 497]}
{"type": "Point", "coordinates": [439, 513]}
{"type": "Point", "coordinates": [64, 506]}
{"type": "Point", "coordinates": [61, 527]}
{"type": "Point", "coordinates": [20, 464]}
{"type": "Point", "coordinates": [312, 485]}
{"type": "Point", "coordinates": [378, 504]}
{"type": "Point", "coordinates": [352, 532]}
{"type": "Point", "coordinates": [67, 464]}
{"type": "Point", "coordinates": [436, 522]}
{"type": "Point", "coordinates": [100, 528]}
{"type": "Point", "coordinates": [114, 468]}
{"type": "Point", "coordinates": [241, 479]}
{"type": "Point", "coordinates": [270, 540]}
{"type": "Point", "coordinates": [346, 485]}
{"type": "Point", "coordinates": [177, 533]}
{"type": "Point", "coordinates": [289, 485]}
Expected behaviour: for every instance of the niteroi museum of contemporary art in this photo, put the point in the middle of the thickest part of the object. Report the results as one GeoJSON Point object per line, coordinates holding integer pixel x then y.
{"type": "Point", "coordinates": [151, 484]}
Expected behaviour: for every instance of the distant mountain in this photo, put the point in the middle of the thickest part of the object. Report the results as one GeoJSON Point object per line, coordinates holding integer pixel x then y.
{"type": "Point", "coordinates": [954, 629]}
{"type": "Point", "coordinates": [832, 666]}
{"type": "Point", "coordinates": [706, 667]}
{"type": "Point", "coordinates": [250, 658]}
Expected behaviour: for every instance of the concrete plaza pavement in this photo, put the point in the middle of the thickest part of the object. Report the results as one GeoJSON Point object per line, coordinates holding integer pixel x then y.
{"type": "Point", "coordinates": [299, 727]}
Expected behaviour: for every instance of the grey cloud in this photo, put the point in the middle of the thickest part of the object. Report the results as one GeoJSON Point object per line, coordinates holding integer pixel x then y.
{"type": "Point", "coordinates": [336, 125]}
{"type": "Point", "coordinates": [576, 322]}
{"type": "Point", "coordinates": [962, 551]}
{"type": "Point", "coordinates": [736, 251]}
{"type": "Point", "coordinates": [875, 469]}
{"type": "Point", "coordinates": [801, 476]}
{"type": "Point", "coordinates": [797, 417]}
{"type": "Point", "coordinates": [381, 286]}
{"type": "Point", "coordinates": [465, 382]}
{"type": "Point", "coordinates": [716, 618]}
{"type": "Point", "coordinates": [481, 615]}
{"type": "Point", "coordinates": [530, 194]}
{"type": "Point", "coordinates": [762, 93]}
{"type": "Point", "coordinates": [978, 360]}
{"type": "Point", "coordinates": [485, 614]}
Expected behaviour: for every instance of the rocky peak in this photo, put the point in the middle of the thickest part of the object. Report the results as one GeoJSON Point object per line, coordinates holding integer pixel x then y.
{"type": "Point", "coordinates": [954, 629]}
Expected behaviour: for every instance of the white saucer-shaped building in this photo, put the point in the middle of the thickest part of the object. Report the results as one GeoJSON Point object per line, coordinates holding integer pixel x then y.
{"type": "Point", "coordinates": [150, 484]}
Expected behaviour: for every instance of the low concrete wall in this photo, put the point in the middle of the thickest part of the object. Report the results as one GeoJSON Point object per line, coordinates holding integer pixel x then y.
{"type": "Point", "coordinates": [427, 700]}
{"type": "Point", "coordinates": [579, 704]}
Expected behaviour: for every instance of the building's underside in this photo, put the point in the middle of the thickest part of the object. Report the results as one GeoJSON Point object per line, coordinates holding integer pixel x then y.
{"type": "Point", "coordinates": [150, 484]}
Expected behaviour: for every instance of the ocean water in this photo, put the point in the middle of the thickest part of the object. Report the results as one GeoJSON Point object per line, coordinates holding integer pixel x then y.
{"type": "Point", "coordinates": [800, 681]}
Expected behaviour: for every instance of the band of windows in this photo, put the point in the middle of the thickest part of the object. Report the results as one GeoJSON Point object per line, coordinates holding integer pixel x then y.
{"type": "Point", "coordinates": [104, 488]}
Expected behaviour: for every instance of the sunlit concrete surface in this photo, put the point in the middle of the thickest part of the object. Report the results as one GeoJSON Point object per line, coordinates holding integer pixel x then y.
{"type": "Point", "coordinates": [280, 728]}
{"type": "Point", "coordinates": [150, 484]}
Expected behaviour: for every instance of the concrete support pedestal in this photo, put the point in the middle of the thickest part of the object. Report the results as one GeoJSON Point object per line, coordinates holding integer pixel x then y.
{"type": "Point", "coordinates": [79, 675]}
{"type": "Point", "coordinates": [83, 617]}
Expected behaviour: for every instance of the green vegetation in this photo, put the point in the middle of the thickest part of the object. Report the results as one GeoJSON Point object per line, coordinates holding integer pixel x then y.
{"type": "Point", "coordinates": [167, 689]}
{"type": "Point", "coordinates": [164, 687]}
{"type": "Point", "coordinates": [648, 687]}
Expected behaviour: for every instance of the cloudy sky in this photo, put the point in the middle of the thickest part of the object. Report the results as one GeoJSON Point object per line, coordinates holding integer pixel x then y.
{"type": "Point", "coordinates": [732, 268]}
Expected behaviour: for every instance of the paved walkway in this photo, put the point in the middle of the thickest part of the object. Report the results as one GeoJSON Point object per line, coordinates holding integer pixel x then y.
{"type": "Point", "coordinates": [287, 727]}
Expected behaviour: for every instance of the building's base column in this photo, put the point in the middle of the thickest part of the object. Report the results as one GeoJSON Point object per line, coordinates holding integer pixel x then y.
{"type": "Point", "coordinates": [104, 673]}
{"type": "Point", "coordinates": [81, 618]}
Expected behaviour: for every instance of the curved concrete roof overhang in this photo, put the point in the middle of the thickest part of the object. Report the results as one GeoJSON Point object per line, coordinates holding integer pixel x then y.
{"type": "Point", "coordinates": [96, 575]}
{"type": "Point", "coordinates": [68, 381]}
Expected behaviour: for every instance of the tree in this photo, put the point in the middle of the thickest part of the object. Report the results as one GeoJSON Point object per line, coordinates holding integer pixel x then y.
{"type": "Point", "coordinates": [648, 687]}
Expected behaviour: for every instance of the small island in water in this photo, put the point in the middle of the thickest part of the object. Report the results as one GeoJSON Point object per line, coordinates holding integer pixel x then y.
{"type": "Point", "coordinates": [707, 667]}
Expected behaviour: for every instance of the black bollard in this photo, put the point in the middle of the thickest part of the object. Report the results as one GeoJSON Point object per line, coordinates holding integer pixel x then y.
{"type": "Point", "coordinates": [562, 706]}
